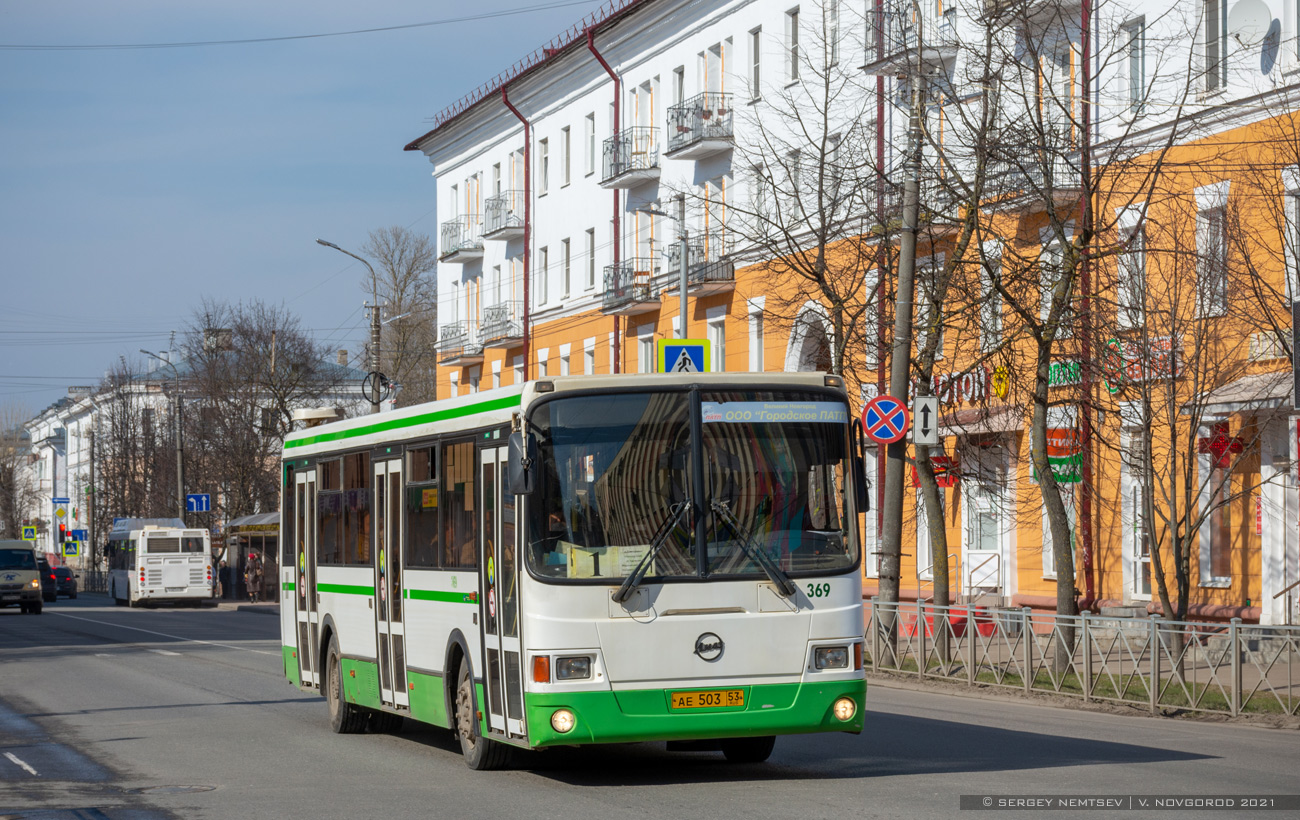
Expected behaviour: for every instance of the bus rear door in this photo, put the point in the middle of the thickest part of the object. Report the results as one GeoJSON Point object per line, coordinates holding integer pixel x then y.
{"type": "Point", "coordinates": [497, 562]}
{"type": "Point", "coordinates": [388, 583]}
{"type": "Point", "coordinates": [304, 511]}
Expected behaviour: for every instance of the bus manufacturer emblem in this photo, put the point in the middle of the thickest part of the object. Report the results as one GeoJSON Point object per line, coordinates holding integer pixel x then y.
{"type": "Point", "coordinates": [709, 647]}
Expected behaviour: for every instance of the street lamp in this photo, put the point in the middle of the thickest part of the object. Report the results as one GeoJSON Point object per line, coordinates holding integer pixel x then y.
{"type": "Point", "coordinates": [374, 324]}
{"type": "Point", "coordinates": [180, 452]}
{"type": "Point", "coordinates": [682, 237]}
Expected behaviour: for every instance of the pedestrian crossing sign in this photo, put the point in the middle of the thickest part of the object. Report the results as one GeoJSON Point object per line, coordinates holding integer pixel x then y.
{"type": "Point", "coordinates": [684, 356]}
{"type": "Point", "coordinates": [29, 533]}
{"type": "Point", "coordinates": [71, 548]}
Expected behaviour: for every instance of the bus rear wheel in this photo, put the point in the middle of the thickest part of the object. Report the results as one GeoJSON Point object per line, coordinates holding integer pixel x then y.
{"type": "Point", "coordinates": [345, 718]}
{"type": "Point", "coordinates": [748, 749]}
{"type": "Point", "coordinates": [481, 753]}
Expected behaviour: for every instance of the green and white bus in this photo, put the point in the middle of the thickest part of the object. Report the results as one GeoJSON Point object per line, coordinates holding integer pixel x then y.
{"type": "Point", "coordinates": [585, 559]}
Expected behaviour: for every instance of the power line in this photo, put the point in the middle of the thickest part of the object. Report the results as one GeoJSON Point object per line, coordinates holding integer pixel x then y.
{"type": "Point", "coordinates": [255, 40]}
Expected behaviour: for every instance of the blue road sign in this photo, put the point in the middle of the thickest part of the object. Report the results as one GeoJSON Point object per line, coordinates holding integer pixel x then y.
{"type": "Point", "coordinates": [61, 500]}
{"type": "Point", "coordinates": [79, 535]}
{"type": "Point", "coordinates": [683, 356]}
{"type": "Point", "coordinates": [885, 419]}
{"type": "Point", "coordinates": [71, 548]}
{"type": "Point", "coordinates": [198, 502]}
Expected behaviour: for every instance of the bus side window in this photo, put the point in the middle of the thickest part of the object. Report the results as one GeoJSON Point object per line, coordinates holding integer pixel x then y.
{"type": "Point", "coordinates": [459, 519]}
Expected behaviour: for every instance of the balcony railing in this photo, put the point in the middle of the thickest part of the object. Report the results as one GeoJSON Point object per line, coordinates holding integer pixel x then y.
{"type": "Point", "coordinates": [701, 126]}
{"type": "Point", "coordinates": [461, 238]}
{"type": "Point", "coordinates": [630, 286]}
{"type": "Point", "coordinates": [902, 46]}
{"type": "Point", "coordinates": [708, 267]}
{"type": "Point", "coordinates": [631, 158]}
{"type": "Point", "coordinates": [503, 324]}
{"type": "Point", "coordinates": [503, 215]}
{"type": "Point", "coordinates": [458, 345]}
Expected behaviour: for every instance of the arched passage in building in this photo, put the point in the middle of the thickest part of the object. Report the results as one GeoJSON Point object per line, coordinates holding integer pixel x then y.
{"type": "Point", "coordinates": [810, 347]}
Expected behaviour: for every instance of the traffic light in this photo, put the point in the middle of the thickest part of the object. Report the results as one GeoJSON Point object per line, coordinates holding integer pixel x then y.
{"type": "Point", "coordinates": [63, 532]}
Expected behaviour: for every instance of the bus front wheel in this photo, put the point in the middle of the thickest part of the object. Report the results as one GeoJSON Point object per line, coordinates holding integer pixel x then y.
{"type": "Point", "coordinates": [481, 753]}
{"type": "Point", "coordinates": [748, 749]}
{"type": "Point", "coordinates": [345, 718]}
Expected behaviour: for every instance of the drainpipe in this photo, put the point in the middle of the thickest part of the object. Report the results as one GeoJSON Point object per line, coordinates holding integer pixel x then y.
{"type": "Point", "coordinates": [1085, 352]}
{"type": "Point", "coordinates": [528, 226]}
{"type": "Point", "coordinates": [618, 97]}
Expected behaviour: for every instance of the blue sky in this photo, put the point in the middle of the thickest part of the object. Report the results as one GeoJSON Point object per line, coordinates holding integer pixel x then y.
{"type": "Point", "coordinates": [134, 182]}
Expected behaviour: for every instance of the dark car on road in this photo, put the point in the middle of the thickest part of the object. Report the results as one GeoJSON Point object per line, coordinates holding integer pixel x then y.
{"type": "Point", "coordinates": [49, 588]}
{"type": "Point", "coordinates": [65, 583]}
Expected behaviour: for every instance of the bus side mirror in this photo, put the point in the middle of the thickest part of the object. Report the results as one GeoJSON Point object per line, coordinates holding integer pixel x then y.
{"type": "Point", "coordinates": [862, 489]}
{"type": "Point", "coordinates": [521, 461]}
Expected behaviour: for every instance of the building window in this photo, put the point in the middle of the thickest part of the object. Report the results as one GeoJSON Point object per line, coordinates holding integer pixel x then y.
{"type": "Point", "coordinates": [756, 339]}
{"type": "Point", "coordinates": [645, 349]}
{"type": "Point", "coordinates": [541, 283]}
{"type": "Point", "coordinates": [679, 85]}
{"type": "Point", "coordinates": [565, 259]}
{"type": "Point", "coordinates": [756, 64]}
{"type": "Point", "coordinates": [717, 335]}
{"type": "Point", "coordinates": [990, 307]}
{"type": "Point", "coordinates": [496, 375]}
{"type": "Point", "coordinates": [517, 365]}
{"type": "Point", "coordinates": [1212, 262]}
{"type": "Point", "coordinates": [543, 370]}
{"type": "Point", "coordinates": [792, 45]}
{"type": "Point", "coordinates": [589, 356]}
{"type": "Point", "coordinates": [832, 11]}
{"type": "Point", "coordinates": [1050, 264]}
{"type": "Point", "coordinates": [1132, 282]}
{"type": "Point", "coordinates": [758, 193]}
{"type": "Point", "coordinates": [793, 161]}
{"type": "Point", "coordinates": [1135, 33]}
{"type": "Point", "coordinates": [566, 353]}
{"type": "Point", "coordinates": [455, 385]}
{"type": "Point", "coordinates": [591, 143]}
{"type": "Point", "coordinates": [591, 258]}
{"type": "Point", "coordinates": [566, 152]}
{"type": "Point", "coordinates": [543, 166]}
{"type": "Point", "coordinates": [1216, 44]}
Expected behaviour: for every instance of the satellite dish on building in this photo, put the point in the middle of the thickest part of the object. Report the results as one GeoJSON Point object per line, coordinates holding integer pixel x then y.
{"type": "Point", "coordinates": [1249, 21]}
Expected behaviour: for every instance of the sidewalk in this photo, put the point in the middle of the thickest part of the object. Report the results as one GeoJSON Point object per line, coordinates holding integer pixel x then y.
{"type": "Point", "coordinates": [232, 605]}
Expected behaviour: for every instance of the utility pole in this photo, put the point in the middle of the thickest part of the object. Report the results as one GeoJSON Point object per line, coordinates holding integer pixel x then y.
{"type": "Point", "coordinates": [901, 354]}
{"type": "Point", "coordinates": [681, 226]}
{"type": "Point", "coordinates": [373, 380]}
{"type": "Point", "coordinates": [180, 448]}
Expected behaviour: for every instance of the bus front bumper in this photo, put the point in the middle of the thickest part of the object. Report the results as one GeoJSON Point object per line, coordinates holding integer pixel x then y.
{"type": "Point", "coordinates": [646, 714]}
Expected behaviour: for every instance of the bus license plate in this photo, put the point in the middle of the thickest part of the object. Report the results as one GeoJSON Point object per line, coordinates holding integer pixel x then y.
{"type": "Point", "coordinates": [175, 589]}
{"type": "Point", "coordinates": [711, 699]}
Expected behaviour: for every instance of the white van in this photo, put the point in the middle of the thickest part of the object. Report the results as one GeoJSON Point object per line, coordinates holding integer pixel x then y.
{"type": "Point", "coordinates": [20, 579]}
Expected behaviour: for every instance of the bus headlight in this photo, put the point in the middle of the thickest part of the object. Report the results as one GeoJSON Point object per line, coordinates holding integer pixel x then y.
{"type": "Point", "coordinates": [844, 709]}
{"type": "Point", "coordinates": [563, 721]}
{"type": "Point", "coordinates": [831, 657]}
{"type": "Point", "coordinates": [572, 668]}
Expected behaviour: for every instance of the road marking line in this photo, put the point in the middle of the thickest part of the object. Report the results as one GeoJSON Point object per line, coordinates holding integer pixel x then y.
{"type": "Point", "coordinates": [164, 634]}
{"type": "Point", "coordinates": [20, 762]}
{"type": "Point", "coordinates": [165, 652]}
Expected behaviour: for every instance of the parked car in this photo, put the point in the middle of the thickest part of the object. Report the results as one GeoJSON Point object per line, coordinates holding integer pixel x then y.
{"type": "Point", "coordinates": [65, 583]}
{"type": "Point", "coordinates": [49, 590]}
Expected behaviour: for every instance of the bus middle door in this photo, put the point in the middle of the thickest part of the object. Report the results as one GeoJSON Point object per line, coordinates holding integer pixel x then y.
{"type": "Point", "coordinates": [388, 583]}
{"type": "Point", "coordinates": [500, 605]}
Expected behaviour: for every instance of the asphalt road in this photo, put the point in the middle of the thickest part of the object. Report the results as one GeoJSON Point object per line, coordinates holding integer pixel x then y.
{"type": "Point", "coordinates": [128, 714]}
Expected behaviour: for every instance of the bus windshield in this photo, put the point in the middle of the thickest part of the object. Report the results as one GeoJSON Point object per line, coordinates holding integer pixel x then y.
{"type": "Point", "coordinates": [616, 485]}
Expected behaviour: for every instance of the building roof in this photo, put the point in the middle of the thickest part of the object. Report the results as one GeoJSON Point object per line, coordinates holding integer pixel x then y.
{"type": "Point", "coordinates": [559, 45]}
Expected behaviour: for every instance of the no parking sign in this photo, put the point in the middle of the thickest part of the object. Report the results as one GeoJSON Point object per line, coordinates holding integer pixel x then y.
{"type": "Point", "coordinates": [885, 419]}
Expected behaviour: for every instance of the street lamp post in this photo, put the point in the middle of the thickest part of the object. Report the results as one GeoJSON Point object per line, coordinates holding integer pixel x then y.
{"type": "Point", "coordinates": [374, 323]}
{"type": "Point", "coordinates": [180, 450]}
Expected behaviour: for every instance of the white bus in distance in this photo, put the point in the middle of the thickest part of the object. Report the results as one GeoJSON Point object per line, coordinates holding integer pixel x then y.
{"type": "Point", "coordinates": [583, 560]}
{"type": "Point", "coordinates": [157, 560]}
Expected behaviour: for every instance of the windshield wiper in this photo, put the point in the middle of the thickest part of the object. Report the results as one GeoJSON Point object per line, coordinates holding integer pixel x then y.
{"type": "Point", "coordinates": [782, 581]}
{"type": "Point", "coordinates": [657, 543]}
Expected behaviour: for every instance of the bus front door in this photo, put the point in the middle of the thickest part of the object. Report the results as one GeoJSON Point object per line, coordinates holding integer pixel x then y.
{"type": "Point", "coordinates": [304, 512]}
{"type": "Point", "coordinates": [503, 678]}
{"type": "Point", "coordinates": [388, 583]}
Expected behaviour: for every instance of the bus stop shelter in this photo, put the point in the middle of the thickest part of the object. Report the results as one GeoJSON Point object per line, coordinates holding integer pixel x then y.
{"type": "Point", "coordinates": [252, 541]}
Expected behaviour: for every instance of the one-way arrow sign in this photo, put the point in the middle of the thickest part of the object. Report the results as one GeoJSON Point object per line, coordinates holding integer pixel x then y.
{"type": "Point", "coordinates": [925, 420]}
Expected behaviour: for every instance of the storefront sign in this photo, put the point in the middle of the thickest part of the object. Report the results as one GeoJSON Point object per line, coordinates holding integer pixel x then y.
{"type": "Point", "coordinates": [1139, 360]}
{"type": "Point", "coordinates": [972, 387]}
{"type": "Point", "coordinates": [1062, 374]}
{"type": "Point", "coordinates": [1064, 455]}
{"type": "Point", "coordinates": [946, 473]}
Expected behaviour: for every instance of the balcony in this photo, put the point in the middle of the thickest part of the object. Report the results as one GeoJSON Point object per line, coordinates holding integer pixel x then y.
{"type": "Point", "coordinates": [503, 325]}
{"type": "Point", "coordinates": [503, 215]}
{"type": "Point", "coordinates": [701, 127]}
{"type": "Point", "coordinates": [631, 158]}
{"type": "Point", "coordinates": [461, 239]}
{"type": "Point", "coordinates": [709, 269]}
{"type": "Point", "coordinates": [457, 345]}
{"type": "Point", "coordinates": [629, 287]}
{"type": "Point", "coordinates": [903, 50]}
{"type": "Point", "coordinates": [1027, 180]}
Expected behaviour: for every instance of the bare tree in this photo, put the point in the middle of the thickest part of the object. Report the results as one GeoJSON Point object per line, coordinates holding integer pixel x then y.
{"type": "Point", "coordinates": [18, 497]}
{"type": "Point", "coordinates": [137, 479]}
{"type": "Point", "coordinates": [409, 293]}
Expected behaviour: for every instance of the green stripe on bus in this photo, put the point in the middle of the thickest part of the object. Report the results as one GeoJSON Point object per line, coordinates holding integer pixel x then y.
{"type": "Point", "coordinates": [446, 597]}
{"type": "Point", "coordinates": [412, 421]}
{"type": "Point", "coordinates": [287, 586]}
{"type": "Point", "coordinates": [345, 589]}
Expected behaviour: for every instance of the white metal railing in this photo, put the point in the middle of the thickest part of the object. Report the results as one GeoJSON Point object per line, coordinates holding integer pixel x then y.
{"type": "Point", "coordinates": [1231, 668]}
{"type": "Point", "coordinates": [996, 557]}
{"type": "Point", "coordinates": [921, 580]}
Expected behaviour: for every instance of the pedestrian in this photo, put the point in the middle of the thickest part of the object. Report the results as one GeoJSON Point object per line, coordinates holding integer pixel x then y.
{"type": "Point", "coordinates": [223, 579]}
{"type": "Point", "coordinates": [252, 578]}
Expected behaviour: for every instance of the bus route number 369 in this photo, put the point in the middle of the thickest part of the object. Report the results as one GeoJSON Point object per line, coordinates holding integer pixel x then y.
{"type": "Point", "coordinates": [819, 590]}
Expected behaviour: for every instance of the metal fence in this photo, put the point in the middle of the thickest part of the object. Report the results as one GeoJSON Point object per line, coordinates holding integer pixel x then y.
{"type": "Point", "coordinates": [89, 580]}
{"type": "Point", "coordinates": [1231, 668]}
